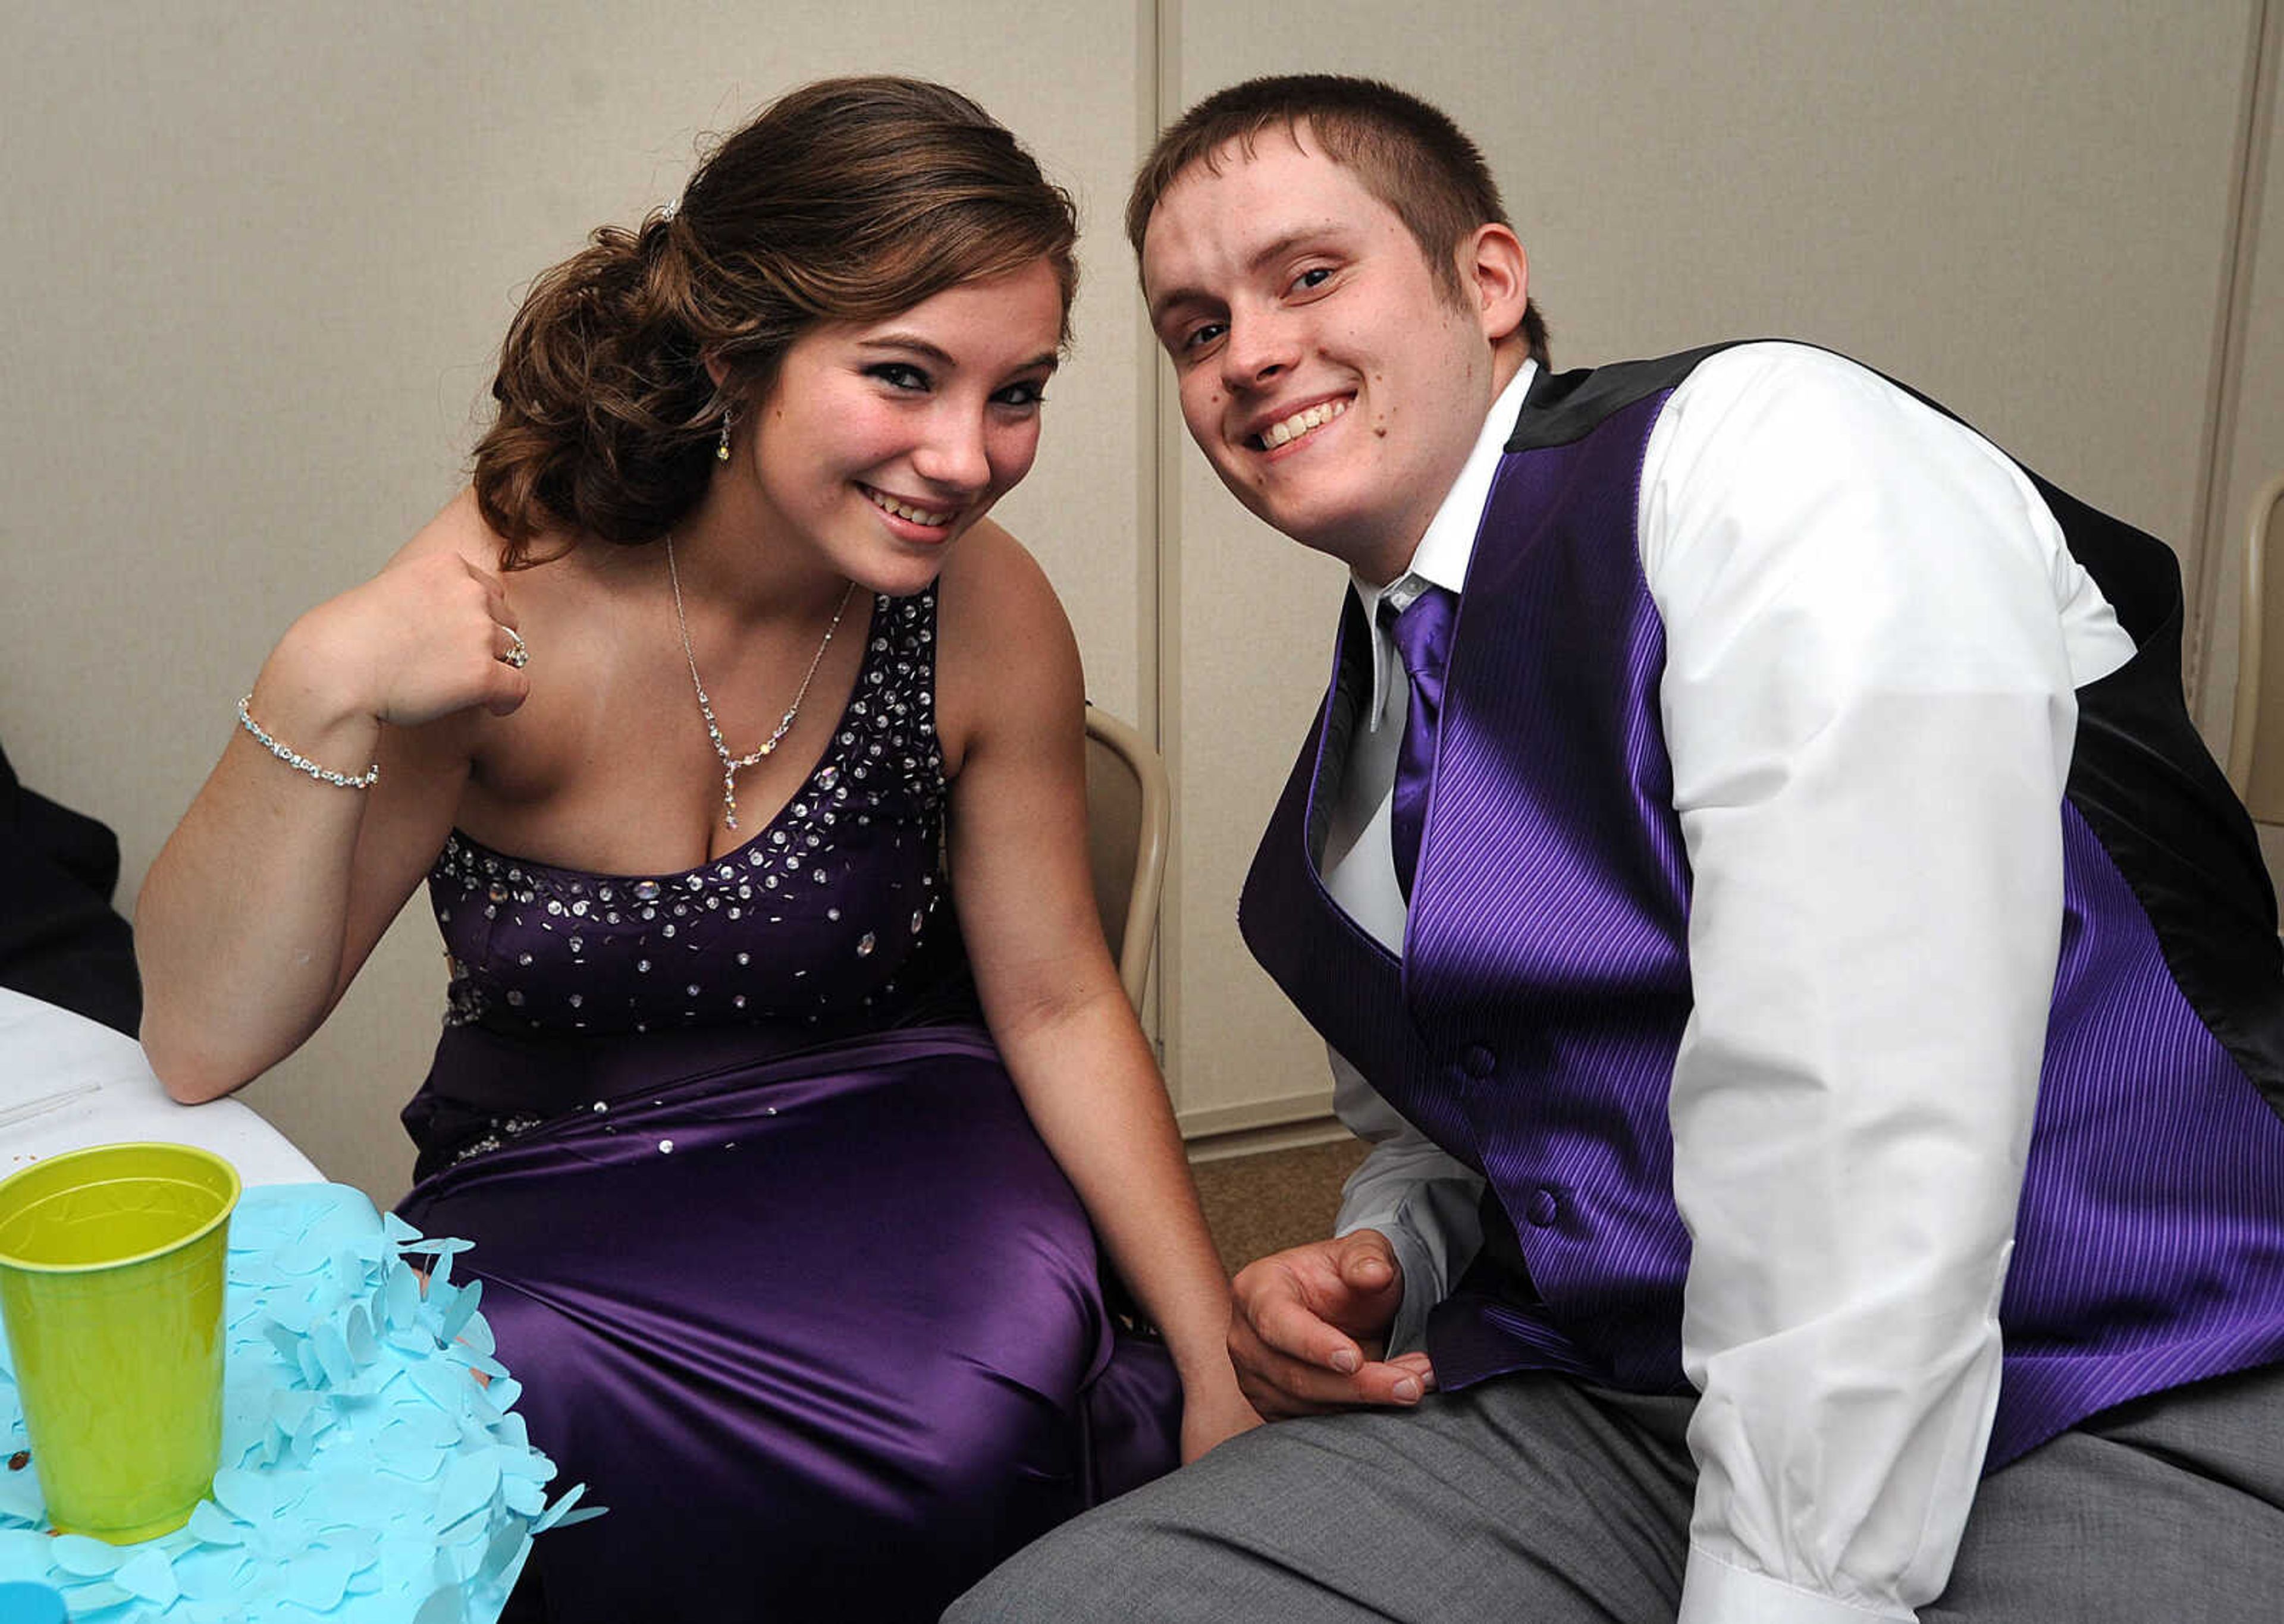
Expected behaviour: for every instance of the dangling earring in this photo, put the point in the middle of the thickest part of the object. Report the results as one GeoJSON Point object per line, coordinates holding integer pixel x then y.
{"type": "Point", "coordinates": [721, 450]}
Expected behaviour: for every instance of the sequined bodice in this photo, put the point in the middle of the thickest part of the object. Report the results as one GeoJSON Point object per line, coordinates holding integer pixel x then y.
{"type": "Point", "coordinates": [814, 919]}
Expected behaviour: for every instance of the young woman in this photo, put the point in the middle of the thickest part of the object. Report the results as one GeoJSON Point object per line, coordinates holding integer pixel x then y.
{"type": "Point", "coordinates": [784, 1064]}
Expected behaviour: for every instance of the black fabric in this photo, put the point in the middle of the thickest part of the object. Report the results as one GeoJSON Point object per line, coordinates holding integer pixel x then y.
{"type": "Point", "coordinates": [2140, 773]}
{"type": "Point", "coordinates": [60, 939]}
{"type": "Point", "coordinates": [1499, 1269]}
{"type": "Point", "coordinates": [2159, 805]}
{"type": "Point", "coordinates": [1561, 408]}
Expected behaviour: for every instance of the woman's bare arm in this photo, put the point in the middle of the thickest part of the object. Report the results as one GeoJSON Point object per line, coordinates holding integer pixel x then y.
{"type": "Point", "coordinates": [1011, 685]}
{"type": "Point", "coordinates": [273, 889]}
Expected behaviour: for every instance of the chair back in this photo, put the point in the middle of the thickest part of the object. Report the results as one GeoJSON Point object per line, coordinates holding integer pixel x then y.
{"type": "Point", "coordinates": [1128, 817]}
{"type": "Point", "coordinates": [2256, 738]}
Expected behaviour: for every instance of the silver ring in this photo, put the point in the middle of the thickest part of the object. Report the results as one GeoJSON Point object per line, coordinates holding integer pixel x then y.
{"type": "Point", "coordinates": [517, 655]}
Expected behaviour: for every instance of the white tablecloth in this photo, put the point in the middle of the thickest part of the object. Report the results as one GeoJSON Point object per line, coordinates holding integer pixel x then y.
{"type": "Point", "coordinates": [65, 1083]}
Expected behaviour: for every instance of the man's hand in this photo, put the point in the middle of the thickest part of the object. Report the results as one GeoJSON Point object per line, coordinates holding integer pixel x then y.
{"type": "Point", "coordinates": [1311, 1324]}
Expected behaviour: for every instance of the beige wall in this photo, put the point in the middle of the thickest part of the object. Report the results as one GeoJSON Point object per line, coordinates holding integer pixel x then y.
{"type": "Point", "coordinates": [255, 273]}
{"type": "Point", "coordinates": [2249, 419]}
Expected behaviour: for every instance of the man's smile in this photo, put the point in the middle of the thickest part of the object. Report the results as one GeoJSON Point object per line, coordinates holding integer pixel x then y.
{"type": "Point", "coordinates": [1284, 430]}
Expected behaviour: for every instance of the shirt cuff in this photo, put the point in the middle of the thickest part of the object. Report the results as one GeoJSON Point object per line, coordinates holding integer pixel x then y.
{"type": "Point", "coordinates": [1714, 1592]}
{"type": "Point", "coordinates": [1434, 1231]}
{"type": "Point", "coordinates": [1408, 1332]}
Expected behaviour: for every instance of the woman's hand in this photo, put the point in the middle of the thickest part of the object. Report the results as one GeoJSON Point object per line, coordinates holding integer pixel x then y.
{"type": "Point", "coordinates": [428, 637]}
{"type": "Point", "coordinates": [1213, 1411]}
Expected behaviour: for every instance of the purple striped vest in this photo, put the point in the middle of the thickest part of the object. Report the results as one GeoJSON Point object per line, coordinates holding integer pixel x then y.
{"type": "Point", "coordinates": [1531, 1025]}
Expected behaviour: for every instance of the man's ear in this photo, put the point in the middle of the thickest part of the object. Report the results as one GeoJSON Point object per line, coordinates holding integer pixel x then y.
{"type": "Point", "coordinates": [1496, 274]}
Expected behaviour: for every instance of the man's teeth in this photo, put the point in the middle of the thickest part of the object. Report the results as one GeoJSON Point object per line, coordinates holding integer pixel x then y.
{"type": "Point", "coordinates": [906, 509]}
{"type": "Point", "coordinates": [1301, 422]}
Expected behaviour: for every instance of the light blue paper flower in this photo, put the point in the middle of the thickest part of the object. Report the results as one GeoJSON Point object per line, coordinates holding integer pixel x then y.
{"type": "Point", "coordinates": [368, 1475]}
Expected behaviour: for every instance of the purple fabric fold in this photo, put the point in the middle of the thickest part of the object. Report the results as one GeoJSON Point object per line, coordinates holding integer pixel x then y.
{"type": "Point", "coordinates": [824, 1329]}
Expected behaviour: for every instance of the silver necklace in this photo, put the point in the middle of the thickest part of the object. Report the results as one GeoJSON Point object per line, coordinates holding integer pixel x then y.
{"type": "Point", "coordinates": [732, 765]}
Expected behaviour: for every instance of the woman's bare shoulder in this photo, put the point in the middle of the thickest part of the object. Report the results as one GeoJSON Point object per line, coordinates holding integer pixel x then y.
{"type": "Point", "coordinates": [992, 582]}
{"type": "Point", "coordinates": [457, 528]}
{"type": "Point", "coordinates": [552, 579]}
{"type": "Point", "coordinates": [1004, 644]}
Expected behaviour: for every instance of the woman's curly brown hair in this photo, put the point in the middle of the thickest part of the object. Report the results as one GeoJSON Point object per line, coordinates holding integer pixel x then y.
{"type": "Point", "coordinates": [849, 200]}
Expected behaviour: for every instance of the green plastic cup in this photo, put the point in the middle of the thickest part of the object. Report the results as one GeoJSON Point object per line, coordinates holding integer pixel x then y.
{"type": "Point", "coordinates": [112, 1267]}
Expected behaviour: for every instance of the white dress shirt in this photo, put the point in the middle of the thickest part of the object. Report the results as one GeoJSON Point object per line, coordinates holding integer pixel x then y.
{"type": "Point", "coordinates": [1874, 632]}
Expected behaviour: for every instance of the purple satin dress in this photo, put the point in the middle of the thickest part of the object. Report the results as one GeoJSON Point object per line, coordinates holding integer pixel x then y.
{"type": "Point", "coordinates": [788, 1278]}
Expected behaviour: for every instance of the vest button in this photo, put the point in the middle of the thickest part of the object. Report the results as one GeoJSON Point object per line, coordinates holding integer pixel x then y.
{"type": "Point", "coordinates": [1479, 1061]}
{"type": "Point", "coordinates": [1544, 1208]}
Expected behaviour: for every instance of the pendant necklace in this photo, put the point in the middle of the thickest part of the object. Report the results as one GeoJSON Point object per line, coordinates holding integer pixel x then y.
{"type": "Point", "coordinates": [732, 765]}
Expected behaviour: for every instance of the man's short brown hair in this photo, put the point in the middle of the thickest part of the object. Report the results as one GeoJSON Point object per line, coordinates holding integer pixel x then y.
{"type": "Point", "coordinates": [1408, 154]}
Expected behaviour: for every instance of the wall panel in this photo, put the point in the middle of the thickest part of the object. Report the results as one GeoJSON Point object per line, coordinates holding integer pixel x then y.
{"type": "Point", "coordinates": [2252, 430]}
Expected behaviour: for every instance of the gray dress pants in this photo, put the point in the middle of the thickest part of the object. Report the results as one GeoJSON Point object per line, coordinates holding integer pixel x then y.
{"type": "Point", "coordinates": [1539, 1499]}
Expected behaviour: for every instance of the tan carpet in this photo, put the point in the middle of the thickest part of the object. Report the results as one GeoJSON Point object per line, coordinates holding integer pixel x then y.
{"type": "Point", "coordinates": [1257, 1205]}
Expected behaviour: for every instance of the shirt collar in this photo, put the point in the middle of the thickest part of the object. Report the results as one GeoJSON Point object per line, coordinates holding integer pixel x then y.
{"type": "Point", "coordinates": [1449, 543]}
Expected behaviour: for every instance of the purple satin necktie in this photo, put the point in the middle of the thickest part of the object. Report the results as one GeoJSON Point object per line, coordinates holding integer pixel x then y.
{"type": "Point", "coordinates": [1423, 638]}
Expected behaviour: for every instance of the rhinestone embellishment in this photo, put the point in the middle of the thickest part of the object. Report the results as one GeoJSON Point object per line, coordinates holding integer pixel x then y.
{"type": "Point", "coordinates": [536, 947]}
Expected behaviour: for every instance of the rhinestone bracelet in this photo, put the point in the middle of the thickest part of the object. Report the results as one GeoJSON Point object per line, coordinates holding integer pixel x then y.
{"type": "Point", "coordinates": [292, 758]}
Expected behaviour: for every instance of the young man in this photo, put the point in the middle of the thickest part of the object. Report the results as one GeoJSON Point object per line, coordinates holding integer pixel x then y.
{"type": "Point", "coordinates": [1755, 839]}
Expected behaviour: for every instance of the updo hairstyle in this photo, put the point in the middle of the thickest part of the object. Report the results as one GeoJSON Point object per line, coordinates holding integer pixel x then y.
{"type": "Point", "coordinates": [849, 200]}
